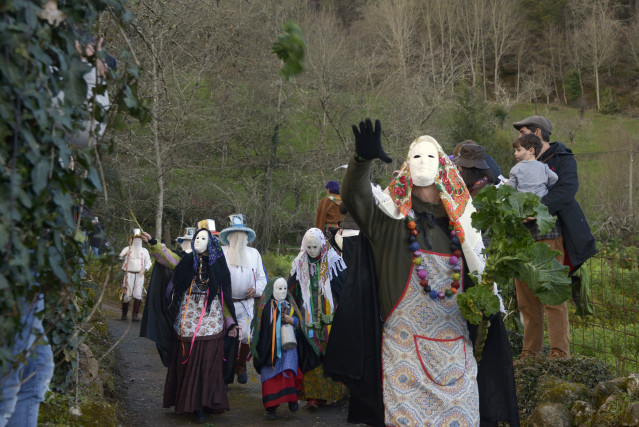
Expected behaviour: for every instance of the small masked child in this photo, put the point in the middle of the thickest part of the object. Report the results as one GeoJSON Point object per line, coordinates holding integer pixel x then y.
{"type": "Point", "coordinates": [279, 368]}
{"type": "Point", "coordinates": [530, 175]}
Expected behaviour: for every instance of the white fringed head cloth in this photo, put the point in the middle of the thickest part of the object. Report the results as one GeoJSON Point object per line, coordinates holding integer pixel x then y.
{"type": "Point", "coordinates": [454, 196]}
{"type": "Point", "coordinates": [136, 248]}
{"type": "Point", "coordinates": [330, 264]}
{"type": "Point", "coordinates": [237, 254]}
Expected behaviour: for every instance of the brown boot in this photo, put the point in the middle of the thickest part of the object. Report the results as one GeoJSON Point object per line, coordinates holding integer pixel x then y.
{"type": "Point", "coordinates": [136, 309]}
{"type": "Point", "coordinates": [556, 354]}
{"type": "Point", "coordinates": [125, 310]}
{"type": "Point", "coordinates": [240, 365]}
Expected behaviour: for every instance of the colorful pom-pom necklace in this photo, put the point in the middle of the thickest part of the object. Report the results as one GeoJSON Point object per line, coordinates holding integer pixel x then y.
{"type": "Point", "coordinates": [454, 261]}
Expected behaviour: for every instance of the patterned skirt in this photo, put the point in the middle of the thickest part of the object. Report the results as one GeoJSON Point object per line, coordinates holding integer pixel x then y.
{"type": "Point", "coordinates": [316, 386]}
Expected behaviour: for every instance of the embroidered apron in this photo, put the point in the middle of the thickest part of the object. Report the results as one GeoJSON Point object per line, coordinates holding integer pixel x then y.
{"type": "Point", "coordinates": [429, 372]}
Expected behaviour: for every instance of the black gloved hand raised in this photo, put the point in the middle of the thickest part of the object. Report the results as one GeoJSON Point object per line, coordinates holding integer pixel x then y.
{"type": "Point", "coordinates": [368, 141]}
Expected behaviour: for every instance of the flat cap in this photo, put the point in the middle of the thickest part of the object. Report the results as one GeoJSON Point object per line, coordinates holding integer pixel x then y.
{"type": "Point", "coordinates": [537, 121]}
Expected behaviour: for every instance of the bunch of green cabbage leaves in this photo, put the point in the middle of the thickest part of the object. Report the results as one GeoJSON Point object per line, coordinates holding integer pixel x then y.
{"type": "Point", "coordinates": [512, 252]}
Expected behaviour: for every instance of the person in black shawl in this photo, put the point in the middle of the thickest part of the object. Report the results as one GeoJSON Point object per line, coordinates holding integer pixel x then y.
{"type": "Point", "coordinates": [201, 312]}
{"type": "Point", "coordinates": [156, 324]}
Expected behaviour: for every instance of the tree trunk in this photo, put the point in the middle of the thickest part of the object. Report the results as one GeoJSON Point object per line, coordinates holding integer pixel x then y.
{"type": "Point", "coordinates": [483, 69]}
{"type": "Point", "coordinates": [496, 78]}
{"type": "Point", "coordinates": [156, 146]}
{"type": "Point", "coordinates": [597, 88]}
{"type": "Point", "coordinates": [266, 222]}
{"type": "Point", "coordinates": [519, 55]}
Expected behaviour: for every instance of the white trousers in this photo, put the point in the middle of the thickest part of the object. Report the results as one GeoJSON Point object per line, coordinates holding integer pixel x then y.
{"type": "Point", "coordinates": [134, 285]}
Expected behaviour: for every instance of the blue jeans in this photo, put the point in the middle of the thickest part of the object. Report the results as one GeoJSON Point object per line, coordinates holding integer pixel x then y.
{"type": "Point", "coordinates": [22, 389]}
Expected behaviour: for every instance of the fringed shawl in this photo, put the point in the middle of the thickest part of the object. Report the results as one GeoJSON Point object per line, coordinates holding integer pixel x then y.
{"type": "Point", "coordinates": [329, 266]}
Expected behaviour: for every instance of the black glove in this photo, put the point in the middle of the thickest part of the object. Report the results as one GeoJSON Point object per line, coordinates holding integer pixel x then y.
{"type": "Point", "coordinates": [368, 141]}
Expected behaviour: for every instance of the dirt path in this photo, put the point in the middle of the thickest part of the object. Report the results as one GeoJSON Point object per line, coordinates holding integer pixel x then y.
{"type": "Point", "coordinates": [143, 375]}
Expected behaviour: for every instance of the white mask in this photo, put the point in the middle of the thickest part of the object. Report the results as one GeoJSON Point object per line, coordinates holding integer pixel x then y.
{"type": "Point", "coordinates": [423, 161]}
{"type": "Point", "coordinates": [279, 289]}
{"type": "Point", "coordinates": [313, 247]}
{"type": "Point", "coordinates": [201, 242]}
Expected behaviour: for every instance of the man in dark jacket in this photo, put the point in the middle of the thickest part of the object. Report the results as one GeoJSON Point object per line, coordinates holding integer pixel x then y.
{"type": "Point", "coordinates": [571, 236]}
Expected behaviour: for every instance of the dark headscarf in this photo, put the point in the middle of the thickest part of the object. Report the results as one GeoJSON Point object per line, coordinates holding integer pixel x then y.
{"type": "Point", "coordinates": [218, 273]}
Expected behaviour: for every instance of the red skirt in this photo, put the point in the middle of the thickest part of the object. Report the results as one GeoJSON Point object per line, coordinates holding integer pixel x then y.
{"type": "Point", "coordinates": [280, 389]}
{"type": "Point", "coordinates": [198, 384]}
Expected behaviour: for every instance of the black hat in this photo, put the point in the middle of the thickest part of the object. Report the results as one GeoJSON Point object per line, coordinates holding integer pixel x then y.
{"type": "Point", "coordinates": [472, 156]}
{"type": "Point", "coordinates": [537, 121]}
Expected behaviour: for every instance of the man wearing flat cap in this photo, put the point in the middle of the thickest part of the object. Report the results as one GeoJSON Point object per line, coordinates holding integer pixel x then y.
{"type": "Point", "coordinates": [571, 236]}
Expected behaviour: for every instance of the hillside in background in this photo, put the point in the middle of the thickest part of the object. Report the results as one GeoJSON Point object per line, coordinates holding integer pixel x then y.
{"type": "Point", "coordinates": [228, 135]}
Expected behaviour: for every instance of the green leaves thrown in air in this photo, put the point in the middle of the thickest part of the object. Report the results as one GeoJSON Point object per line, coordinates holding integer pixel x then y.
{"type": "Point", "coordinates": [290, 47]}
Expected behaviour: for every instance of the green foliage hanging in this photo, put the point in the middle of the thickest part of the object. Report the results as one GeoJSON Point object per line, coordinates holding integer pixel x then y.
{"type": "Point", "coordinates": [512, 251]}
{"type": "Point", "coordinates": [38, 189]}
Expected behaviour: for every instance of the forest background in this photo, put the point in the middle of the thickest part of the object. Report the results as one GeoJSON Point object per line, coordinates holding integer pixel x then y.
{"type": "Point", "coordinates": [223, 133]}
{"type": "Point", "coordinates": [227, 135]}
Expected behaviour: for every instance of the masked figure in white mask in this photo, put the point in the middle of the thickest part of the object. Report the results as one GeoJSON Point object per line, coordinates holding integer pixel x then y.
{"type": "Point", "coordinates": [410, 360]}
{"type": "Point", "coordinates": [248, 280]}
{"type": "Point", "coordinates": [202, 314]}
{"type": "Point", "coordinates": [136, 262]}
{"type": "Point", "coordinates": [277, 335]}
{"type": "Point", "coordinates": [317, 275]}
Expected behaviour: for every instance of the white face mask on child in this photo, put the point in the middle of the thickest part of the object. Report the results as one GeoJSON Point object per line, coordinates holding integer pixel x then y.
{"type": "Point", "coordinates": [279, 289]}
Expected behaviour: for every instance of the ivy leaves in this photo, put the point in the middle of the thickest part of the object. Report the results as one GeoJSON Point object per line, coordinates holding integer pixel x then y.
{"type": "Point", "coordinates": [38, 191]}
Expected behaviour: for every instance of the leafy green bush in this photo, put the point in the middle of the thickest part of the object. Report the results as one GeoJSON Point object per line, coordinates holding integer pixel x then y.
{"type": "Point", "coordinates": [469, 117]}
{"type": "Point", "coordinates": [572, 85]}
{"type": "Point", "coordinates": [500, 114]}
{"type": "Point", "coordinates": [277, 265]}
{"type": "Point", "coordinates": [609, 103]}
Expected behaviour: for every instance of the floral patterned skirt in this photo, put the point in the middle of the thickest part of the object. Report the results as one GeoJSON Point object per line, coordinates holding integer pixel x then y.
{"type": "Point", "coordinates": [316, 386]}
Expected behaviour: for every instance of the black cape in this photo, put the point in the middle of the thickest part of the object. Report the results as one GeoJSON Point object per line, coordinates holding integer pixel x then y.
{"type": "Point", "coordinates": [156, 324]}
{"type": "Point", "coordinates": [353, 353]}
{"type": "Point", "coordinates": [161, 310]}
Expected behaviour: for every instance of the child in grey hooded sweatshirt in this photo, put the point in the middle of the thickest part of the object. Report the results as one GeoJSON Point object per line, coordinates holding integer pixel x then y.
{"type": "Point", "coordinates": [530, 175]}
